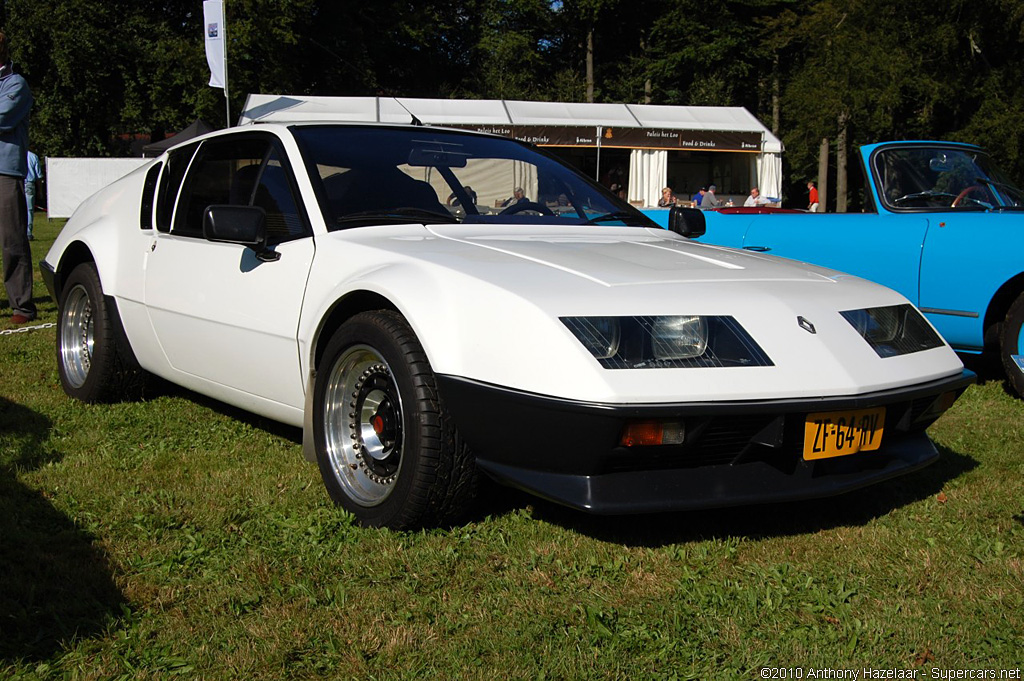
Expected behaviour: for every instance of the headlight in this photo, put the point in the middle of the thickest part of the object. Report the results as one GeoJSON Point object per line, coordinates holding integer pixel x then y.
{"type": "Point", "coordinates": [893, 330]}
{"type": "Point", "coordinates": [679, 337]}
{"type": "Point", "coordinates": [667, 342]}
{"type": "Point", "coordinates": [599, 334]}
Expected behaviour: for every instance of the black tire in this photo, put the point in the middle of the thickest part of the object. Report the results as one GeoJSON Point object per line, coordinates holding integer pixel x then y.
{"type": "Point", "coordinates": [92, 359]}
{"type": "Point", "coordinates": [1011, 344]}
{"type": "Point", "coordinates": [385, 445]}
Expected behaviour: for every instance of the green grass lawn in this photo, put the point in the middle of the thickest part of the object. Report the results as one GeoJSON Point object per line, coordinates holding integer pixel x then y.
{"type": "Point", "coordinates": [178, 535]}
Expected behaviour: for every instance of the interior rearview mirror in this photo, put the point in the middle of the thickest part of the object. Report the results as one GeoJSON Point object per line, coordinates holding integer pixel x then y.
{"type": "Point", "coordinates": [437, 158]}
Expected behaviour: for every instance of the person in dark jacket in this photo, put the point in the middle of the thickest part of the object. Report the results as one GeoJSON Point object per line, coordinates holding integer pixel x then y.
{"type": "Point", "coordinates": [15, 103]}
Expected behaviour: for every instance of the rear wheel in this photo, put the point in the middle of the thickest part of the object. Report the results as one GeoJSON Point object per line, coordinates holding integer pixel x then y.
{"type": "Point", "coordinates": [93, 366]}
{"type": "Point", "coordinates": [385, 445]}
{"type": "Point", "coordinates": [1011, 346]}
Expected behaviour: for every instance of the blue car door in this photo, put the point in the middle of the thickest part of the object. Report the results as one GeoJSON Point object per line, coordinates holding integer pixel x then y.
{"type": "Point", "coordinates": [883, 248]}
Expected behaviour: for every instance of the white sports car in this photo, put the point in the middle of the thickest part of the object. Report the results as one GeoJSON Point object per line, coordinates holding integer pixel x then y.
{"type": "Point", "coordinates": [428, 304]}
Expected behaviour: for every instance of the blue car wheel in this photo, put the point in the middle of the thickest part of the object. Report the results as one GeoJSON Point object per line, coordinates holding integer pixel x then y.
{"type": "Point", "coordinates": [1011, 346]}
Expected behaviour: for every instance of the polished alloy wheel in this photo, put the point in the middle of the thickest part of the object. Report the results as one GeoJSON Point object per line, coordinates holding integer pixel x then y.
{"type": "Point", "coordinates": [362, 424]}
{"type": "Point", "coordinates": [1018, 357]}
{"type": "Point", "coordinates": [77, 336]}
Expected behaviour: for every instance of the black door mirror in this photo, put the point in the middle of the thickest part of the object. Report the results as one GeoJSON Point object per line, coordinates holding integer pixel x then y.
{"type": "Point", "coordinates": [687, 221]}
{"type": "Point", "coordinates": [245, 225]}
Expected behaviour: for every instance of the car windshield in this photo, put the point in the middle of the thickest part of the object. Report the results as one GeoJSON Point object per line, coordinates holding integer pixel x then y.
{"type": "Point", "coordinates": [943, 178]}
{"type": "Point", "coordinates": [369, 175]}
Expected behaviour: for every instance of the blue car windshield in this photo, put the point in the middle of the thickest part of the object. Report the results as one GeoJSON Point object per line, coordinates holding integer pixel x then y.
{"type": "Point", "coordinates": [942, 178]}
{"type": "Point", "coordinates": [372, 174]}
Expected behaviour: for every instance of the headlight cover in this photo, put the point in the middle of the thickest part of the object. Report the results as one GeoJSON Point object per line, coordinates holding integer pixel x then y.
{"type": "Point", "coordinates": [667, 342]}
{"type": "Point", "coordinates": [893, 330]}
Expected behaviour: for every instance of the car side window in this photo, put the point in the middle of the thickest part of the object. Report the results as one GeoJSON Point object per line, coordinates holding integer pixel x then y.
{"type": "Point", "coordinates": [170, 182]}
{"type": "Point", "coordinates": [148, 194]}
{"type": "Point", "coordinates": [240, 171]}
{"type": "Point", "coordinates": [274, 195]}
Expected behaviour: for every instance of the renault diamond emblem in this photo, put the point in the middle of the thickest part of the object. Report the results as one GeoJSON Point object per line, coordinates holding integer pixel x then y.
{"type": "Point", "coordinates": [805, 325]}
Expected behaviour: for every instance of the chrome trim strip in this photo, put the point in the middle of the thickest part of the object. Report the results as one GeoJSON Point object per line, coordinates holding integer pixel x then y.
{"type": "Point", "coordinates": [951, 313]}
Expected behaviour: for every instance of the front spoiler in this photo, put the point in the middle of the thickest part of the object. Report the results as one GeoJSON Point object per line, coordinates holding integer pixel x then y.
{"type": "Point", "coordinates": [755, 482]}
{"type": "Point", "coordinates": [568, 451]}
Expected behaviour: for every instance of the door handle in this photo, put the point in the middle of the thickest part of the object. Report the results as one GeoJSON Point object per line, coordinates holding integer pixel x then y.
{"type": "Point", "coordinates": [759, 249]}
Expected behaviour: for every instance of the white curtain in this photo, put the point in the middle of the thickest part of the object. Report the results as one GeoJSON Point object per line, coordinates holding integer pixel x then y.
{"type": "Point", "coordinates": [769, 175]}
{"type": "Point", "coordinates": [648, 173]}
{"type": "Point", "coordinates": [525, 176]}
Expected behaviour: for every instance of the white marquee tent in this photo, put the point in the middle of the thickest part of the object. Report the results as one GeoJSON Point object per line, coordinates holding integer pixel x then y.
{"type": "Point", "coordinates": [650, 131]}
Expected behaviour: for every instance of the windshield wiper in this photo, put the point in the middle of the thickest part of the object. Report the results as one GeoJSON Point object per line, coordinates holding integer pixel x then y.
{"type": "Point", "coordinates": [624, 216]}
{"type": "Point", "coordinates": [1010, 193]}
{"type": "Point", "coordinates": [399, 214]}
{"type": "Point", "coordinates": [927, 194]}
{"type": "Point", "coordinates": [1000, 185]}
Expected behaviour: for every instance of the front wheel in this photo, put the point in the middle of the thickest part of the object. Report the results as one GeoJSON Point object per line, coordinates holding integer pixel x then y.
{"type": "Point", "coordinates": [385, 445]}
{"type": "Point", "coordinates": [1011, 346]}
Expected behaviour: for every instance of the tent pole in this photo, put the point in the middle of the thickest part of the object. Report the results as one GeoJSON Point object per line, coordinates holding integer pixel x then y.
{"type": "Point", "coordinates": [597, 173]}
{"type": "Point", "coordinates": [227, 100]}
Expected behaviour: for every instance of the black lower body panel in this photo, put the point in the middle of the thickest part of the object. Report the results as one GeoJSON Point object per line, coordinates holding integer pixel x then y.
{"type": "Point", "coordinates": [734, 453]}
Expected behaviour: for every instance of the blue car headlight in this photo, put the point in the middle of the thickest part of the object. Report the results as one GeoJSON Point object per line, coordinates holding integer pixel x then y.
{"type": "Point", "coordinates": [893, 330]}
{"type": "Point", "coordinates": [667, 342]}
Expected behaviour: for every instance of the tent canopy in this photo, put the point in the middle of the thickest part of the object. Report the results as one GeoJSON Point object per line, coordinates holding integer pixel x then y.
{"type": "Point", "coordinates": [500, 112]}
{"type": "Point", "coordinates": [195, 129]}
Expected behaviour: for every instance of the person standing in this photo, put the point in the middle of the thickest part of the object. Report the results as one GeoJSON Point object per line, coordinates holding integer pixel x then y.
{"type": "Point", "coordinates": [812, 197]}
{"type": "Point", "coordinates": [15, 103]}
{"type": "Point", "coordinates": [35, 174]}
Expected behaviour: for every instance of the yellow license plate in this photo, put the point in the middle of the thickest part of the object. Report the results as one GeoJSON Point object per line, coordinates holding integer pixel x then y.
{"type": "Point", "coordinates": [838, 433]}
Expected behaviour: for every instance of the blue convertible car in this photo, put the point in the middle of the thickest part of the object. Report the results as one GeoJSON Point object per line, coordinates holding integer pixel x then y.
{"type": "Point", "coordinates": [941, 225]}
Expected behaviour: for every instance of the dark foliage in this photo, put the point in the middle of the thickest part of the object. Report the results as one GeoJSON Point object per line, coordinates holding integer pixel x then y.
{"type": "Point", "coordinates": [102, 71]}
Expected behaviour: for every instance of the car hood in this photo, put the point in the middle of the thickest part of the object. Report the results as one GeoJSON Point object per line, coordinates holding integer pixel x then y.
{"type": "Point", "coordinates": [487, 300]}
{"type": "Point", "coordinates": [624, 256]}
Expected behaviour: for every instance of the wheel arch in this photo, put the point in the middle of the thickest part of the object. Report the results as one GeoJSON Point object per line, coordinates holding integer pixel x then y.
{"type": "Point", "coordinates": [343, 309]}
{"type": "Point", "coordinates": [76, 253]}
{"type": "Point", "coordinates": [349, 305]}
{"type": "Point", "coordinates": [998, 307]}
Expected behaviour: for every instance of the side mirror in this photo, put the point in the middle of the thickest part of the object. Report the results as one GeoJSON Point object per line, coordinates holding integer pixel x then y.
{"type": "Point", "coordinates": [243, 225]}
{"type": "Point", "coordinates": [687, 221]}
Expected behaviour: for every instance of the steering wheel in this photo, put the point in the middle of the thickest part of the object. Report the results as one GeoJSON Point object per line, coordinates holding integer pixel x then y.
{"type": "Point", "coordinates": [964, 196]}
{"type": "Point", "coordinates": [527, 205]}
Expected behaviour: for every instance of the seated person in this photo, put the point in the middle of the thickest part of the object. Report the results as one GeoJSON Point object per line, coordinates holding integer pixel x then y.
{"type": "Point", "coordinates": [518, 196]}
{"type": "Point", "coordinates": [667, 198]}
{"type": "Point", "coordinates": [453, 200]}
{"type": "Point", "coordinates": [755, 198]}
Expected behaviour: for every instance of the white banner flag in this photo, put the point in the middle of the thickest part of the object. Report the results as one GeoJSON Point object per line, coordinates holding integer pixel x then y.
{"type": "Point", "coordinates": [213, 23]}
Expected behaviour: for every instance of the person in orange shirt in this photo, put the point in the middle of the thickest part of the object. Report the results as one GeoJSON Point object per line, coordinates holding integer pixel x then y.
{"type": "Point", "coordinates": [812, 204]}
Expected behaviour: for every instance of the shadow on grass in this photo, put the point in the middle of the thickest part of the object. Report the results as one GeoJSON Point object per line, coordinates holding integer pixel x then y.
{"type": "Point", "coordinates": [55, 584]}
{"type": "Point", "coordinates": [764, 521]}
{"type": "Point", "coordinates": [988, 367]}
{"type": "Point", "coordinates": [156, 387]}
{"type": "Point", "coordinates": [780, 519]}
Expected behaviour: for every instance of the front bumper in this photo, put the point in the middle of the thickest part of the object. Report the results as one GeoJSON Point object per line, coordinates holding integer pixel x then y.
{"type": "Point", "coordinates": [734, 453]}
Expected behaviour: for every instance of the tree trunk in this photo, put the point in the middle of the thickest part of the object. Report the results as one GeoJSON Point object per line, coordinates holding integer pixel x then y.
{"type": "Point", "coordinates": [775, 95]}
{"type": "Point", "coordinates": [647, 80]}
{"type": "Point", "coordinates": [590, 64]}
{"type": "Point", "coordinates": [823, 176]}
{"type": "Point", "coordinates": [841, 177]}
